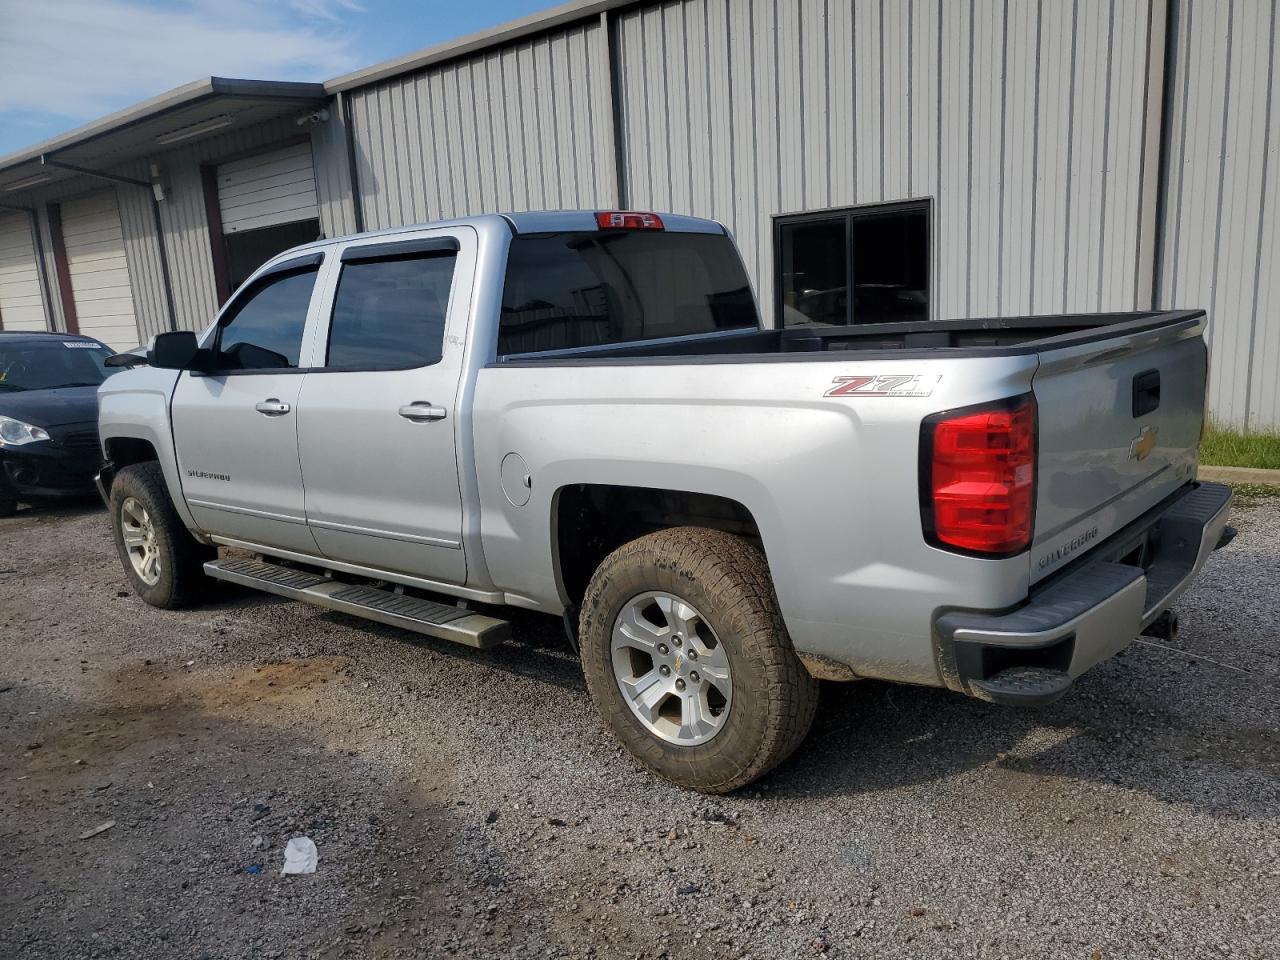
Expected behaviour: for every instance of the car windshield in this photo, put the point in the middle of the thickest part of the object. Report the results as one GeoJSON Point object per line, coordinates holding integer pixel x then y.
{"type": "Point", "coordinates": [52, 363]}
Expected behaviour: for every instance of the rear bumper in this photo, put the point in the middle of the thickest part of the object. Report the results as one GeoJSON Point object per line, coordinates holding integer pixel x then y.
{"type": "Point", "coordinates": [1032, 654]}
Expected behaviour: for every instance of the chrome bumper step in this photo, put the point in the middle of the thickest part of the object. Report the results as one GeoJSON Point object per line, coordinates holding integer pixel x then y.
{"type": "Point", "coordinates": [384, 606]}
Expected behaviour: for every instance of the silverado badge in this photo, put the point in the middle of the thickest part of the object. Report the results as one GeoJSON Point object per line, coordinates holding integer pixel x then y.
{"type": "Point", "coordinates": [1140, 447]}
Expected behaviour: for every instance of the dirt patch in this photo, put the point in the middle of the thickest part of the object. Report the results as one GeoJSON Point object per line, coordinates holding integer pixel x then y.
{"type": "Point", "coordinates": [469, 803]}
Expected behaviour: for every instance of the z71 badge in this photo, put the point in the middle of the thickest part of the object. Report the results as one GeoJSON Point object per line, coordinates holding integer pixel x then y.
{"type": "Point", "coordinates": [885, 385]}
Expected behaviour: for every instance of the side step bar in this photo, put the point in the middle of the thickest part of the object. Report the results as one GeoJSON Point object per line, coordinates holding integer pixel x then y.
{"type": "Point", "coordinates": [394, 609]}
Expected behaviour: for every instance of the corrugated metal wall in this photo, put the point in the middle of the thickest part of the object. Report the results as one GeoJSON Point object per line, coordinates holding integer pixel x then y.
{"type": "Point", "coordinates": [184, 223]}
{"type": "Point", "coordinates": [527, 126]}
{"type": "Point", "coordinates": [333, 173]}
{"type": "Point", "coordinates": [1035, 127]}
{"type": "Point", "coordinates": [1222, 208]}
{"type": "Point", "coordinates": [1025, 121]}
{"type": "Point", "coordinates": [186, 227]}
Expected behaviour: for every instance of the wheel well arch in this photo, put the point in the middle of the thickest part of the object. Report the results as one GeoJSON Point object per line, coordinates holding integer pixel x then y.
{"type": "Point", "coordinates": [126, 451]}
{"type": "Point", "coordinates": [591, 520]}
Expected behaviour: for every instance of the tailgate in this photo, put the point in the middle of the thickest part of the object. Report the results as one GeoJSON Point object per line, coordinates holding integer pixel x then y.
{"type": "Point", "coordinates": [1119, 430]}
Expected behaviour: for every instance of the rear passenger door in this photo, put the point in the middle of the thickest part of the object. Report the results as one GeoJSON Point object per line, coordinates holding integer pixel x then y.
{"type": "Point", "coordinates": [377, 425]}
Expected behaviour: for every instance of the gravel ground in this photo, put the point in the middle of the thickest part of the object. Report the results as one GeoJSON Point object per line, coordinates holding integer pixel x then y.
{"type": "Point", "coordinates": [470, 803]}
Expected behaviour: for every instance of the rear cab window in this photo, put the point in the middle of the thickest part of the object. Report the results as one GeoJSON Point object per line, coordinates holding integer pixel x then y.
{"type": "Point", "coordinates": [593, 288]}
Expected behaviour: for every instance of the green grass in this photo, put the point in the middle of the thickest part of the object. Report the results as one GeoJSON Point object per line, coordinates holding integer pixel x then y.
{"type": "Point", "coordinates": [1224, 447]}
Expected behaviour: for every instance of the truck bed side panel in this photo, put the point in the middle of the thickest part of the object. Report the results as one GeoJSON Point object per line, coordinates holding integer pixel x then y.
{"type": "Point", "coordinates": [831, 482]}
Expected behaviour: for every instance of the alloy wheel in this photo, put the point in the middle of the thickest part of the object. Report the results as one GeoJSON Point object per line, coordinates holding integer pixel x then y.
{"type": "Point", "coordinates": [140, 541]}
{"type": "Point", "coordinates": [671, 668]}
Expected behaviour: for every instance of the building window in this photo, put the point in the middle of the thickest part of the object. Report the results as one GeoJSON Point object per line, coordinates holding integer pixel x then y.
{"type": "Point", "coordinates": [856, 265]}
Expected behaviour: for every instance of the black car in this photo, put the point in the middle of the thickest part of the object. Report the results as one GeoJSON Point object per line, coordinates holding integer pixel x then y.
{"type": "Point", "coordinates": [48, 415]}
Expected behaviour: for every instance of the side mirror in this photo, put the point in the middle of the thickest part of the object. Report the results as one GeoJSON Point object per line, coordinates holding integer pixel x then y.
{"type": "Point", "coordinates": [174, 351]}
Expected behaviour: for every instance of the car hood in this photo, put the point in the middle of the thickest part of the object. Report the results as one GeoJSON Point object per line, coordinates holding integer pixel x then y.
{"type": "Point", "coordinates": [51, 408]}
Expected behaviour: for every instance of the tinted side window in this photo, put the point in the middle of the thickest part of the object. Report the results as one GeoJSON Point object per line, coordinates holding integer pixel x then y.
{"type": "Point", "coordinates": [596, 287]}
{"type": "Point", "coordinates": [389, 314]}
{"type": "Point", "coordinates": [265, 332]}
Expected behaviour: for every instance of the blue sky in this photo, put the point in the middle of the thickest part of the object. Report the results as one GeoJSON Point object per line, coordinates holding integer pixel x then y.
{"type": "Point", "coordinates": [65, 62]}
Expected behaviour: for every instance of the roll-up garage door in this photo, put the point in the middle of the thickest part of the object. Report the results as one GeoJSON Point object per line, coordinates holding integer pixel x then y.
{"type": "Point", "coordinates": [94, 243]}
{"type": "Point", "coordinates": [21, 307]}
{"type": "Point", "coordinates": [267, 189]}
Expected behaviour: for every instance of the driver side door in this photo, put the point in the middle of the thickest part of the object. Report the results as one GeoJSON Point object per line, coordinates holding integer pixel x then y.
{"type": "Point", "coordinates": [235, 428]}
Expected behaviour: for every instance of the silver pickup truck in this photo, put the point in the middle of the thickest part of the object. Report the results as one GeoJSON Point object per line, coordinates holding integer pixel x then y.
{"type": "Point", "coordinates": [580, 413]}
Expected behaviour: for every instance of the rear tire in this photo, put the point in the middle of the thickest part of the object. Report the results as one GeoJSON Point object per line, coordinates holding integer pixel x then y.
{"type": "Point", "coordinates": [164, 563]}
{"type": "Point", "coordinates": [693, 589]}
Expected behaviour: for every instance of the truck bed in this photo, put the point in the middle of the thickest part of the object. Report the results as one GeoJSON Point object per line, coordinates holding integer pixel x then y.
{"type": "Point", "coordinates": [990, 336]}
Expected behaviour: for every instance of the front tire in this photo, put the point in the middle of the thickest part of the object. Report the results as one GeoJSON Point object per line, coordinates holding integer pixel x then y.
{"type": "Point", "coordinates": [8, 502]}
{"type": "Point", "coordinates": [163, 561]}
{"type": "Point", "coordinates": [688, 660]}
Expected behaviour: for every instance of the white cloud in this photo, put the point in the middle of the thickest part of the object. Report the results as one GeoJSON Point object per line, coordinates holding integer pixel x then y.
{"type": "Point", "coordinates": [326, 9]}
{"type": "Point", "coordinates": [79, 59]}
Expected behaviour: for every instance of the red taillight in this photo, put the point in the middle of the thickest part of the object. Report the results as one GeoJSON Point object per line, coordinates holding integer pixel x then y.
{"type": "Point", "coordinates": [979, 485]}
{"type": "Point", "coordinates": [627, 220]}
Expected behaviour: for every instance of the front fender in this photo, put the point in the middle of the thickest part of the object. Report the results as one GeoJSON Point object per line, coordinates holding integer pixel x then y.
{"type": "Point", "coordinates": [134, 405]}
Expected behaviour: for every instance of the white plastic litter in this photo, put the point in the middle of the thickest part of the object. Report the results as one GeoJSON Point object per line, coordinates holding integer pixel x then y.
{"type": "Point", "coordinates": [300, 856]}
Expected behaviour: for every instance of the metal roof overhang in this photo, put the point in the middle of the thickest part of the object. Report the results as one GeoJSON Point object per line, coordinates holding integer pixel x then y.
{"type": "Point", "coordinates": [180, 117]}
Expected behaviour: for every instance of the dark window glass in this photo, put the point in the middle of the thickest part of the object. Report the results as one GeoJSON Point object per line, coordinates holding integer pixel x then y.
{"type": "Point", "coordinates": [880, 254]}
{"type": "Point", "coordinates": [389, 314]}
{"type": "Point", "coordinates": [264, 331]}
{"type": "Point", "coordinates": [589, 288]}
{"type": "Point", "coordinates": [250, 249]}
{"type": "Point", "coordinates": [815, 272]}
{"type": "Point", "coordinates": [47, 364]}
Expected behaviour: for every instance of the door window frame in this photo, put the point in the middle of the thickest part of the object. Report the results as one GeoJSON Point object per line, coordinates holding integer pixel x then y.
{"type": "Point", "coordinates": [850, 214]}
{"type": "Point", "coordinates": [316, 262]}
{"type": "Point", "coordinates": [421, 248]}
{"type": "Point", "coordinates": [465, 251]}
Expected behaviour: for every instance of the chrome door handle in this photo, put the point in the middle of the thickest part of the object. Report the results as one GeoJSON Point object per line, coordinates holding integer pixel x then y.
{"type": "Point", "coordinates": [421, 412]}
{"type": "Point", "coordinates": [272, 407]}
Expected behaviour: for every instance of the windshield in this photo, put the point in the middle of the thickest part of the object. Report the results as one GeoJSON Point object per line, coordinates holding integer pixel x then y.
{"type": "Point", "coordinates": [592, 288]}
{"type": "Point", "coordinates": [49, 364]}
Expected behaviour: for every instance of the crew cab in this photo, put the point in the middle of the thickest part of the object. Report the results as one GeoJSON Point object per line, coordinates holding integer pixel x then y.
{"type": "Point", "coordinates": [580, 413]}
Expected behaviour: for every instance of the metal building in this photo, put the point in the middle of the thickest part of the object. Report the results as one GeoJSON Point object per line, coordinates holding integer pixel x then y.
{"type": "Point", "coordinates": [876, 159]}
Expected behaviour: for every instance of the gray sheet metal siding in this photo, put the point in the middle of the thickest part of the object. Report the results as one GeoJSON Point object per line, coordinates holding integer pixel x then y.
{"type": "Point", "coordinates": [186, 227]}
{"type": "Point", "coordinates": [523, 127]}
{"type": "Point", "coordinates": [1221, 245]}
{"type": "Point", "coordinates": [142, 250]}
{"type": "Point", "coordinates": [1024, 120]}
{"type": "Point", "coordinates": [329, 158]}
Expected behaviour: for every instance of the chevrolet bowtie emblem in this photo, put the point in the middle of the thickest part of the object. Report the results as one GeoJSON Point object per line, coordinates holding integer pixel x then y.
{"type": "Point", "coordinates": [1140, 447]}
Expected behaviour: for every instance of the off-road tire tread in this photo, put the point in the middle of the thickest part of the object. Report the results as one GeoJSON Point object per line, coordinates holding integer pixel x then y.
{"type": "Point", "coordinates": [734, 573]}
{"type": "Point", "coordinates": [183, 581]}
